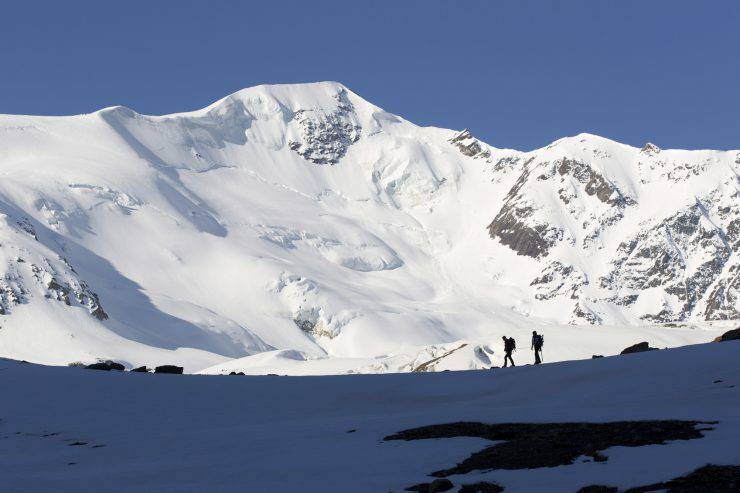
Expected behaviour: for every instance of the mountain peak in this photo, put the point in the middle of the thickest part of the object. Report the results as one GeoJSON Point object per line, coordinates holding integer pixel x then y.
{"type": "Point", "coordinates": [326, 95]}
{"type": "Point", "coordinates": [650, 149]}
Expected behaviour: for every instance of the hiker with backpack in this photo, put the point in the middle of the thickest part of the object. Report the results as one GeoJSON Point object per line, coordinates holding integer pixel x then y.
{"type": "Point", "coordinates": [538, 340]}
{"type": "Point", "coordinates": [509, 346]}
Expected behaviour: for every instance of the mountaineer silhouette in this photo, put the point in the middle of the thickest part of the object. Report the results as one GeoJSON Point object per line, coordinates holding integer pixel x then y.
{"type": "Point", "coordinates": [538, 340]}
{"type": "Point", "coordinates": [509, 346]}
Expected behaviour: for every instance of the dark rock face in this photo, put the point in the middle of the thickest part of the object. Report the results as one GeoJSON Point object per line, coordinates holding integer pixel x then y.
{"type": "Point", "coordinates": [640, 347]}
{"type": "Point", "coordinates": [657, 258]}
{"type": "Point", "coordinates": [558, 279]}
{"type": "Point", "coordinates": [141, 369]}
{"type": "Point", "coordinates": [731, 335]}
{"type": "Point", "coordinates": [593, 183]}
{"type": "Point", "coordinates": [723, 303]}
{"type": "Point", "coordinates": [26, 225]}
{"type": "Point", "coordinates": [59, 282]}
{"type": "Point", "coordinates": [304, 325]}
{"type": "Point", "coordinates": [564, 209]}
{"type": "Point", "coordinates": [106, 366]}
{"type": "Point", "coordinates": [582, 312]}
{"type": "Point", "coordinates": [61, 291]}
{"type": "Point", "coordinates": [535, 445]}
{"type": "Point", "coordinates": [466, 143]}
{"type": "Point", "coordinates": [172, 369]}
{"type": "Point", "coordinates": [517, 226]}
{"type": "Point", "coordinates": [93, 304]}
{"type": "Point", "coordinates": [513, 229]}
{"type": "Point", "coordinates": [325, 137]}
{"type": "Point", "coordinates": [469, 145]}
{"type": "Point", "coordinates": [650, 149]}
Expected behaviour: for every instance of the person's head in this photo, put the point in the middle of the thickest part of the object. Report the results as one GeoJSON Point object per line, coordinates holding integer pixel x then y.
{"type": "Point", "coordinates": [534, 332]}
{"type": "Point", "coordinates": [504, 338]}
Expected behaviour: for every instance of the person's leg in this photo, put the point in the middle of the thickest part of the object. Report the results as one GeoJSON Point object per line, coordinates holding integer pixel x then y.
{"type": "Point", "coordinates": [511, 360]}
{"type": "Point", "coordinates": [537, 359]}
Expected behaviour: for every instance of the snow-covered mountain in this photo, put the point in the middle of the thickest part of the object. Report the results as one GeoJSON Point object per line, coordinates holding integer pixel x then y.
{"type": "Point", "coordinates": [302, 223]}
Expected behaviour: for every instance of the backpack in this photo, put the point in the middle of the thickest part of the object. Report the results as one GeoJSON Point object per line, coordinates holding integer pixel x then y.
{"type": "Point", "coordinates": [539, 341]}
{"type": "Point", "coordinates": [510, 344]}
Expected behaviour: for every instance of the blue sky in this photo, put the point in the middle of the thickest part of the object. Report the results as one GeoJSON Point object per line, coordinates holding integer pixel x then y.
{"type": "Point", "coordinates": [517, 73]}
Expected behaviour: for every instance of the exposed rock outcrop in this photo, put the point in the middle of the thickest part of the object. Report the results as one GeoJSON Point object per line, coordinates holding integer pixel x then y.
{"type": "Point", "coordinates": [558, 279]}
{"type": "Point", "coordinates": [730, 335]}
{"type": "Point", "coordinates": [640, 347]}
{"type": "Point", "coordinates": [469, 145]}
{"type": "Point", "coordinates": [593, 183]}
{"type": "Point", "coordinates": [516, 227]}
{"type": "Point", "coordinates": [106, 366]}
{"type": "Point", "coordinates": [650, 149]}
{"type": "Point", "coordinates": [326, 136]}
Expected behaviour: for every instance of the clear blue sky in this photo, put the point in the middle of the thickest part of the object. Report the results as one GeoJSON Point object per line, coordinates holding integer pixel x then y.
{"type": "Point", "coordinates": [518, 73]}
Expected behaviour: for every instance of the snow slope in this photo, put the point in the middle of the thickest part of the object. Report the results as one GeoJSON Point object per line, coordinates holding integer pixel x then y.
{"type": "Point", "coordinates": [302, 218]}
{"type": "Point", "coordinates": [144, 432]}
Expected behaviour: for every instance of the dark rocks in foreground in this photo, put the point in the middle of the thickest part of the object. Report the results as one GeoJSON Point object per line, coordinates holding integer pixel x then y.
{"type": "Point", "coordinates": [112, 365]}
{"type": "Point", "coordinates": [535, 445]}
{"type": "Point", "coordinates": [640, 347]}
{"type": "Point", "coordinates": [171, 369]}
{"type": "Point", "coordinates": [730, 335]}
{"type": "Point", "coordinates": [106, 366]}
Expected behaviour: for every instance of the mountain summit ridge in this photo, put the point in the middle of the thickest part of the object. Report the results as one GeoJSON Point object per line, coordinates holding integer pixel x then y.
{"type": "Point", "coordinates": [320, 95]}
